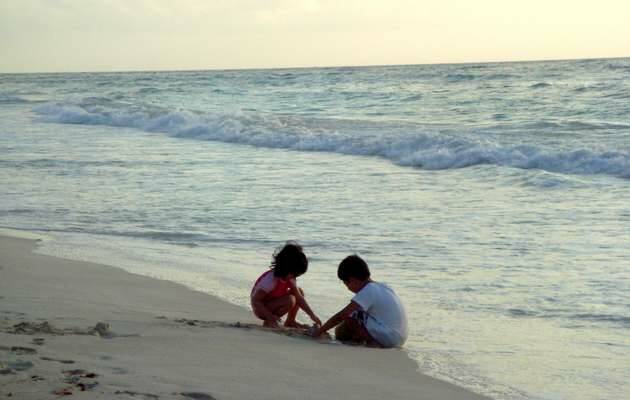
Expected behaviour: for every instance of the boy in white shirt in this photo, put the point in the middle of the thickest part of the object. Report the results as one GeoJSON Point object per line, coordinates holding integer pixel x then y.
{"type": "Point", "coordinates": [375, 315]}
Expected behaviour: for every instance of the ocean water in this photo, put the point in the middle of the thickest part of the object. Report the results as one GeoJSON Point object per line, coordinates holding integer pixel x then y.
{"type": "Point", "coordinates": [494, 198]}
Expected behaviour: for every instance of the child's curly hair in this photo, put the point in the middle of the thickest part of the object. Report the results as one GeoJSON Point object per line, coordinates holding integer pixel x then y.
{"type": "Point", "coordinates": [289, 259]}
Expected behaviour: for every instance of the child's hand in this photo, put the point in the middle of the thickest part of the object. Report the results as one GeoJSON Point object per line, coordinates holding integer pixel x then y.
{"type": "Point", "coordinates": [314, 331]}
{"type": "Point", "coordinates": [317, 321]}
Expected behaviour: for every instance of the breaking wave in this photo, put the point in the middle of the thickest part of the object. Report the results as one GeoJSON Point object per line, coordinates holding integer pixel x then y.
{"type": "Point", "coordinates": [413, 147]}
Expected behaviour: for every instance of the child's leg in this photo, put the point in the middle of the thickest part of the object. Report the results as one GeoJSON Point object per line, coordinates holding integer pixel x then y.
{"type": "Point", "coordinates": [351, 330]}
{"type": "Point", "coordinates": [291, 322]}
{"type": "Point", "coordinates": [343, 333]}
{"type": "Point", "coordinates": [279, 306]}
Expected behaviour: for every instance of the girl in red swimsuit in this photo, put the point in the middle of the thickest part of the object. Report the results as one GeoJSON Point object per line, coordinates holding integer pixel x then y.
{"type": "Point", "coordinates": [275, 292]}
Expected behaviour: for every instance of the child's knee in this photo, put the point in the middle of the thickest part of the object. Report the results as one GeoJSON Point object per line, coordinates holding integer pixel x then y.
{"type": "Point", "coordinates": [343, 332]}
{"type": "Point", "coordinates": [351, 323]}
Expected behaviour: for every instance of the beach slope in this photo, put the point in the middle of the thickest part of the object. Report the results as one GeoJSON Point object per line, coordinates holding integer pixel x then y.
{"type": "Point", "coordinates": [84, 330]}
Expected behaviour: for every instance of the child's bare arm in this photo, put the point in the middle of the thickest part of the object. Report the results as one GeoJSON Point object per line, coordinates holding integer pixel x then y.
{"type": "Point", "coordinates": [338, 318]}
{"type": "Point", "coordinates": [301, 301]}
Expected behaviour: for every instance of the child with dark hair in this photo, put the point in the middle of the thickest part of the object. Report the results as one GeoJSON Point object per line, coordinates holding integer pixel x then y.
{"type": "Point", "coordinates": [375, 315]}
{"type": "Point", "coordinates": [275, 292]}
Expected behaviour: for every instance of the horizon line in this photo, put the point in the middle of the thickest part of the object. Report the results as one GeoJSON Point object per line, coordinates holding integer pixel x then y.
{"type": "Point", "coordinates": [122, 71]}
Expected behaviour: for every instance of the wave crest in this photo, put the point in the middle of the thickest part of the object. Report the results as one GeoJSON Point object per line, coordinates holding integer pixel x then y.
{"type": "Point", "coordinates": [418, 149]}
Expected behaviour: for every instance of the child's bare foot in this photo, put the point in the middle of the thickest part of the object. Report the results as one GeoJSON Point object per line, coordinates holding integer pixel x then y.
{"type": "Point", "coordinates": [295, 324]}
{"type": "Point", "coordinates": [270, 324]}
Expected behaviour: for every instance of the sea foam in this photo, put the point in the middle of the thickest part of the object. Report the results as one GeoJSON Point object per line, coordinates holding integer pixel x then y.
{"type": "Point", "coordinates": [412, 147]}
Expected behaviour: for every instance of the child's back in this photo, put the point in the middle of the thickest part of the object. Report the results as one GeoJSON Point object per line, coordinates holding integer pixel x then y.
{"type": "Point", "coordinates": [375, 315]}
{"type": "Point", "coordinates": [381, 303]}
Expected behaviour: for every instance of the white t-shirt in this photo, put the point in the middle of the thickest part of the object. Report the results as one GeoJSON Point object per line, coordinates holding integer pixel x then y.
{"type": "Point", "coordinates": [380, 301]}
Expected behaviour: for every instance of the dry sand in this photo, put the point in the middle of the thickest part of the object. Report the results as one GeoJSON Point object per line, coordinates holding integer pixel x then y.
{"type": "Point", "coordinates": [82, 330]}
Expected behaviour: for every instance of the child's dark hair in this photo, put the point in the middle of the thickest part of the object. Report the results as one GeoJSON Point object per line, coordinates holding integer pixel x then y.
{"type": "Point", "coordinates": [289, 259]}
{"type": "Point", "coordinates": [353, 267]}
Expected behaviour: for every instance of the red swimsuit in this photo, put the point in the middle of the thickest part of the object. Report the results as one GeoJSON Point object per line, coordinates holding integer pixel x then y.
{"type": "Point", "coordinates": [280, 287]}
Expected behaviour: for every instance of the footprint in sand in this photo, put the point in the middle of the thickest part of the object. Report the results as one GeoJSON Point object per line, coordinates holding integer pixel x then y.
{"type": "Point", "coordinates": [57, 360]}
{"type": "Point", "coordinates": [83, 386]}
{"type": "Point", "coordinates": [80, 373]}
{"type": "Point", "coordinates": [20, 365]}
{"type": "Point", "coordinates": [119, 371]}
{"type": "Point", "coordinates": [198, 396]}
{"type": "Point", "coordinates": [22, 350]}
{"type": "Point", "coordinates": [81, 378]}
{"type": "Point", "coordinates": [138, 394]}
{"type": "Point", "coordinates": [63, 392]}
{"type": "Point", "coordinates": [38, 341]}
{"type": "Point", "coordinates": [33, 328]}
{"type": "Point", "coordinates": [6, 371]}
{"type": "Point", "coordinates": [11, 366]}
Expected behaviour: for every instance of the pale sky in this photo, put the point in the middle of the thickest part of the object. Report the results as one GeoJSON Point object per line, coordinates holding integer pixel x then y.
{"type": "Point", "coordinates": [124, 35]}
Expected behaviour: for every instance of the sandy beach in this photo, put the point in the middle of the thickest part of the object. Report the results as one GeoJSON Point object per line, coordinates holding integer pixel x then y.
{"type": "Point", "coordinates": [72, 328]}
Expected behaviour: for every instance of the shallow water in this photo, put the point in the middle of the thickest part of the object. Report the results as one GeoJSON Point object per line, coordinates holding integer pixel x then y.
{"type": "Point", "coordinates": [493, 198]}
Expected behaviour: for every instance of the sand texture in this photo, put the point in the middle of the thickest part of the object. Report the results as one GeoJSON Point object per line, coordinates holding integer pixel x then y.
{"type": "Point", "coordinates": [80, 330]}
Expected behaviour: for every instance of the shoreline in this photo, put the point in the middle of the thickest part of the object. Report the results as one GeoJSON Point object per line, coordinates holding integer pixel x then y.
{"type": "Point", "coordinates": [97, 331]}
